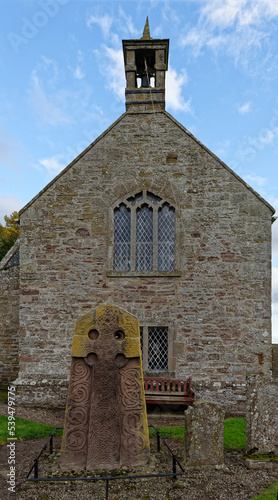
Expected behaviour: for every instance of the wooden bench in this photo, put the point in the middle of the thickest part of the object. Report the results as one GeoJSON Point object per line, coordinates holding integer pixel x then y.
{"type": "Point", "coordinates": [168, 391]}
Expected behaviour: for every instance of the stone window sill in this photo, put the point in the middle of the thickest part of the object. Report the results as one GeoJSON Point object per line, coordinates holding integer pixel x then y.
{"type": "Point", "coordinates": [157, 374]}
{"type": "Point", "coordinates": [130, 274]}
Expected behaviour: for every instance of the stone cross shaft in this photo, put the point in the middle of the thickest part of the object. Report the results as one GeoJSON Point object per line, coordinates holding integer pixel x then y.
{"type": "Point", "coordinates": [106, 421]}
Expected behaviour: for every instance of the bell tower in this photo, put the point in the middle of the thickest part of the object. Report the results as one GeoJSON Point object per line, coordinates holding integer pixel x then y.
{"type": "Point", "coordinates": [146, 62]}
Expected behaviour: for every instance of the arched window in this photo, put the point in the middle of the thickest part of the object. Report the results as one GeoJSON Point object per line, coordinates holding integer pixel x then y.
{"type": "Point", "coordinates": [122, 236]}
{"type": "Point", "coordinates": [144, 238]}
{"type": "Point", "coordinates": [144, 234]}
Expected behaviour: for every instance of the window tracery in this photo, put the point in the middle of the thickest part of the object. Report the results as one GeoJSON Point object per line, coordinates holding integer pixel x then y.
{"type": "Point", "coordinates": [144, 234]}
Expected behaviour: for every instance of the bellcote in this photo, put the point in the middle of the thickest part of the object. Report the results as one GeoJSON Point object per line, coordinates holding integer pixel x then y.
{"type": "Point", "coordinates": [146, 63]}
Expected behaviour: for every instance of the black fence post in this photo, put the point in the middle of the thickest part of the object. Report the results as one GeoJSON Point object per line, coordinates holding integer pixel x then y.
{"type": "Point", "coordinates": [174, 468]}
{"type": "Point", "coordinates": [36, 468]}
{"type": "Point", "coordinates": [158, 442]}
{"type": "Point", "coordinates": [51, 445]}
{"type": "Point", "coordinates": [106, 488]}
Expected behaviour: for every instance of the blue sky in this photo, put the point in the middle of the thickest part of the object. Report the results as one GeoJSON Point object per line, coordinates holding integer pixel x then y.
{"type": "Point", "coordinates": [62, 84]}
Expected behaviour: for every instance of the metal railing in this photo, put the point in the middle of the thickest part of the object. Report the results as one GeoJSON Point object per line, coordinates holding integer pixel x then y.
{"type": "Point", "coordinates": [107, 479]}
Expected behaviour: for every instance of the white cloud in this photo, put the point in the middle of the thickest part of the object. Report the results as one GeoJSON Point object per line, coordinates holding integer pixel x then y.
{"type": "Point", "coordinates": [80, 56]}
{"type": "Point", "coordinates": [53, 164]}
{"type": "Point", "coordinates": [157, 32]}
{"type": "Point", "coordinates": [245, 108]}
{"type": "Point", "coordinates": [226, 13]}
{"type": "Point", "coordinates": [255, 180]}
{"type": "Point", "coordinates": [274, 323]}
{"type": "Point", "coordinates": [48, 111]}
{"type": "Point", "coordinates": [275, 285]}
{"type": "Point", "coordinates": [234, 26]}
{"type": "Point", "coordinates": [170, 14]}
{"type": "Point", "coordinates": [78, 73]}
{"type": "Point", "coordinates": [12, 151]}
{"type": "Point", "coordinates": [103, 21]}
{"type": "Point", "coordinates": [53, 97]}
{"type": "Point", "coordinates": [222, 148]}
{"type": "Point", "coordinates": [112, 68]}
{"type": "Point", "coordinates": [275, 240]}
{"type": "Point", "coordinates": [8, 204]}
{"type": "Point", "coordinates": [223, 13]}
{"type": "Point", "coordinates": [174, 88]}
{"type": "Point", "coordinates": [127, 26]}
{"type": "Point", "coordinates": [267, 136]}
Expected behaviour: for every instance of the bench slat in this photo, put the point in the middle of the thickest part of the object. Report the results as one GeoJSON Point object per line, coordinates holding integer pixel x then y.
{"type": "Point", "coordinates": [168, 391]}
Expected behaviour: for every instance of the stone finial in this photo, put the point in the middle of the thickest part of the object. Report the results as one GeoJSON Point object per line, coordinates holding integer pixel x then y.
{"type": "Point", "coordinates": [146, 32]}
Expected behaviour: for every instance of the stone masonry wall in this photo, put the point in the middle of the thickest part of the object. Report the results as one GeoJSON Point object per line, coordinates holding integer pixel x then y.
{"type": "Point", "coordinates": [275, 360]}
{"type": "Point", "coordinates": [9, 309]}
{"type": "Point", "coordinates": [217, 304]}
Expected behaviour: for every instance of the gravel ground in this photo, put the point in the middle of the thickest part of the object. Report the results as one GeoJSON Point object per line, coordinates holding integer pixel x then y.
{"type": "Point", "coordinates": [234, 482]}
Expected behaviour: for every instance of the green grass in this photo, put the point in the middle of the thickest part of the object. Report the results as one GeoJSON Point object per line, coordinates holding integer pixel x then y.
{"type": "Point", "coordinates": [176, 432]}
{"type": "Point", "coordinates": [234, 438]}
{"type": "Point", "coordinates": [25, 429]}
{"type": "Point", "coordinates": [235, 434]}
{"type": "Point", "coordinates": [270, 493]}
{"type": "Point", "coordinates": [234, 431]}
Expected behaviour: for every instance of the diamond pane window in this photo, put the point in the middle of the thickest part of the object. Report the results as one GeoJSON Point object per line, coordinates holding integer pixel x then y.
{"type": "Point", "coordinates": [166, 239]}
{"type": "Point", "coordinates": [158, 348]}
{"type": "Point", "coordinates": [122, 238]}
{"type": "Point", "coordinates": [144, 235]}
{"type": "Point", "coordinates": [144, 239]}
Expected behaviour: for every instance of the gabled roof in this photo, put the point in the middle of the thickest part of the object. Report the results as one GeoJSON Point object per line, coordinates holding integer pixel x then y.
{"type": "Point", "coordinates": [12, 257]}
{"type": "Point", "coordinates": [71, 164]}
{"type": "Point", "coordinates": [178, 124]}
{"type": "Point", "coordinates": [220, 161]}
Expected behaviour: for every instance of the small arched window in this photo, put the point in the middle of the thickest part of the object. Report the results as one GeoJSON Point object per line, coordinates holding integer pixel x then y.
{"type": "Point", "coordinates": [144, 234]}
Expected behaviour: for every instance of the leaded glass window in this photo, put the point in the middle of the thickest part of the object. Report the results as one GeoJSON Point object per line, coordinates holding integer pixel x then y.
{"type": "Point", "coordinates": [144, 239]}
{"type": "Point", "coordinates": [144, 234]}
{"type": "Point", "coordinates": [155, 341]}
{"type": "Point", "coordinates": [166, 238]}
{"type": "Point", "coordinates": [158, 348]}
{"type": "Point", "coordinates": [122, 241]}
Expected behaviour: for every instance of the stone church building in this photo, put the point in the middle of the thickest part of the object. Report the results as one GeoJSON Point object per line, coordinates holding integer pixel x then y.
{"type": "Point", "coordinates": [150, 220]}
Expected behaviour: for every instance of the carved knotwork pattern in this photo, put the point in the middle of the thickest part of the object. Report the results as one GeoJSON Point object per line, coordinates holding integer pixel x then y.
{"type": "Point", "coordinates": [76, 424]}
{"type": "Point", "coordinates": [130, 388]}
{"type": "Point", "coordinates": [76, 439]}
{"type": "Point", "coordinates": [134, 437]}
{"type": "Point", "coordinates": [104, 431]}
{"type": "Point", "coordinates": [107, 319]}
{"type": "Point", "coordinates": [77, 414]}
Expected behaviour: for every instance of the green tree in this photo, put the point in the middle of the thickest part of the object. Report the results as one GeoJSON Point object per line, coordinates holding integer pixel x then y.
{"type": "Point", "coordinates": [8, 233]}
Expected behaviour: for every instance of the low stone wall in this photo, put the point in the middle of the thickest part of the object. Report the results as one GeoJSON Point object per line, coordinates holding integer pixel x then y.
{"type": "Point", "coordinates": [42, 393]}
{"type": "Point", "coordinates": [9, 324]}
{"type": "Point", "coordinates": [231, 397]}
